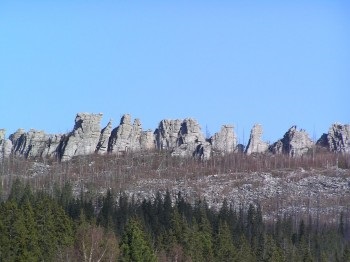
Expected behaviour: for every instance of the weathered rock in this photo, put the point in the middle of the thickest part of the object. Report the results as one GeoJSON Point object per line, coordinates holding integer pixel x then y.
{"type": "Point", "coordinates": [224, 141]}
{"type": "Point", "coordinates": [31, 144]}
{"type": "Point", "coordinates": [128, 136]}
{"type": "Point", "coordinates": [294, 142]}
{"type": "Point", "coordinates": [203, 151]}
{"type": "Point", "coordinates": [166, 135]}
{"type": "Point", "coordinates": [84, 137]}
{"type": "Point", "coordinates": [102, 146]}
{"type": "Point", "coordinates": [147, 140]}
{"type": "Point", "coordinates": [255, 143]}
{"type": "Point", "coordinates": [189, 137]}
{"type": "Point", "coordinates": [5, 145]}
{"type": "Point", "coordinates": [338, 138]}
{"type": "Point", "coordinates": [52, 147]}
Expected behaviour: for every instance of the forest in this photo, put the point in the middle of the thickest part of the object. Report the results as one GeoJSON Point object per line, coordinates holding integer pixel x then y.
{"type": "Point", "coordinates": [37, 225]}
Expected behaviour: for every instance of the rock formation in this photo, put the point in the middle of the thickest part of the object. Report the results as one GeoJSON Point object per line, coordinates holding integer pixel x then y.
{"type": "Point", "coordinates": [203, 151]}
{"type": "Point", "coordinates": [147, 140]}
{"type": "Point", "coordinates": [52, 146]}
{"type": "Point", "coordinates": [189, 138]}
{"type": "Point", "coordinates": [129, 137]}
{"type": "Point", "coordinates": [255, 143]}
{"type": "Point", "coordinates": [337, 139]}
{"type": "Point", "coordinates": [166, 134]}
{"type": "Point", "coordinates": [30, 144]}
{"type": "Point", "coordinates": [5, 145]}
{"type": "Point", "coordinates": [84, 137]}
{"type": "Point", "coordinates": [102, 146]}
{"type": "Point", "coordinates": [181, 137]}
{"type": "Point", "coordinates": [294, 142]}
{"type": "Point", "coordinates": [224, 141]}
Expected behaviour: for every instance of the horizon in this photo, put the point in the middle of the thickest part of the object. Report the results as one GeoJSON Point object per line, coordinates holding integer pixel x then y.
{"type": "Point", "coordinates": [276, 64]}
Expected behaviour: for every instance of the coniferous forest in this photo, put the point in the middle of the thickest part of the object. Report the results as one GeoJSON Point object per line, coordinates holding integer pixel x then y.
{"type": "Point", "coordinates": [37, 226]}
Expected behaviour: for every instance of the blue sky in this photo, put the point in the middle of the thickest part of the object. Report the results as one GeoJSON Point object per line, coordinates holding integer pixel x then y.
{"type": "Point", "coordinates": [278, 63]}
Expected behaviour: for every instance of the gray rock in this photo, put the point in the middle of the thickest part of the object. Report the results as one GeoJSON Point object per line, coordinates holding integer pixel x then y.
{"type": "Point", "coordinates": [84, 137]}
{"type": "Point", "coordinates": [255, 143]}
{"type": "Point", "coordinates": [31, 144]}
{"type": "Point", "coordinates": [203, 151]}
{"type": "Point", "coordinates": [166, 135]}
{"type": "Point", "coordinates": [189, 138]}
{"type": "Point", "coordinates": [128, 137]}
{"type": "Point", "coordinates": [5, 145]}
{"type": "Point", "coordinates": [53, 144]}
{"type": "Point", "coordinates": [147, 140]}
{"type": "Point", "coordinates": [102, 146]}
{"type": "Point", "coordinates": [294, 142]}
{"type": "Point", "coordinates": [224, 141]}
{"type": "Point", "coordinates": [338, 138]}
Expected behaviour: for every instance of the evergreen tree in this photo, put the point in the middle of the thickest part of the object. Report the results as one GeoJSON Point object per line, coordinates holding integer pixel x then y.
{"type": "Point", "coordinates": [134, 245]}
{"type": "Point", "coordinates": [245, 253]}
{"type": "Point", "coordinates": [16, 192]}
{"type": "Point", "coordinates": [106, 214]}
{"type": "Point", "coordinates": [225, 249]}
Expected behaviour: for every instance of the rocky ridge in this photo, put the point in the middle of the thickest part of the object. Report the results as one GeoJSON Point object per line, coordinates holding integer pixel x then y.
{"type": "Point", "coordinates": [183, 138]}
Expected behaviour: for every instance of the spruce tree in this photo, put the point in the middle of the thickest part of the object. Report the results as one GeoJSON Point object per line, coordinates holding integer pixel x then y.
{"type": "Point", "coordinates": [134, 245]}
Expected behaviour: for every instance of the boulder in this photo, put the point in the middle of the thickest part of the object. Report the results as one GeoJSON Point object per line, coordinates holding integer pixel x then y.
{"type": "Point", "coordinates": [84, 137]}
{"type": "Point", "coordinates": [255, 143]}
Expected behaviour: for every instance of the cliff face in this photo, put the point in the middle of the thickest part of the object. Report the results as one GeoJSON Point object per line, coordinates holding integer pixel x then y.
{"type": "Point", "coordinates": [294, 143]}
{"type": "Point", "coordinates": [255, 143]}
{"type": "Point", "coordinates": [337, 139]}
{"type": "Point", "coordinates": [84, 137]}
{"type": "Point", "coordinates": [183, 138]}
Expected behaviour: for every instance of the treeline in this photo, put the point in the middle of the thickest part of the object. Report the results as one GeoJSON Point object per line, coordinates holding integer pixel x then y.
{"type": "Point", "coordinates": [37, 226]}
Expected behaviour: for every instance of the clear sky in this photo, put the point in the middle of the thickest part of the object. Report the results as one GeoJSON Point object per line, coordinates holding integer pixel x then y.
{"type": "Point", "coordinates": [277, 63]}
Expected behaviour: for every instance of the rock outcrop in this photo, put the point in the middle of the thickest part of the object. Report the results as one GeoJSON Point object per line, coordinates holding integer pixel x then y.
{"type": "Point", "coordinates": [224, 141]}
{"type": "Point", "coordinates": [5, 145]}
{"type": "Point", "coordinates": [52, 146]}
{"type": "Point", "coordinates": [255, 143]}
{"type": "Point", "coordinates": [181, 137]}
{"type": "Point", "coordinates": [294, 143]}
{"type": "Point", "coordinates": [84, 137]}
{"type": "Point", "coordinates": [189, 138]}
{"type": "Point", "coordinates": [30, 144]}
{"type": "Point", "coordinates": [203, 151]}
{"type": "Point", "coordinates": [130, 137]}
{"type": "Point", "coordinates": [102, 146]}
{"type": "Point", "coordinates": [166, 135]}
{"type": "Point", "coordinates": [147, 140]}
{"type": "Point", "coordinates": [337, 139]}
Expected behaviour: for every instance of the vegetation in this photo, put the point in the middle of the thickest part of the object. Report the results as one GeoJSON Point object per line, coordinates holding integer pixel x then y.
{"type": "Point", "coordinates": [55, 211]}
{"type": "Point", "coordinates": [37, 226]}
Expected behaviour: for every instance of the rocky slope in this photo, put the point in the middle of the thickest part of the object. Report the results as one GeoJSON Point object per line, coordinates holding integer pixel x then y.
{"type": "Point", "coordinates": [182, 137]}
